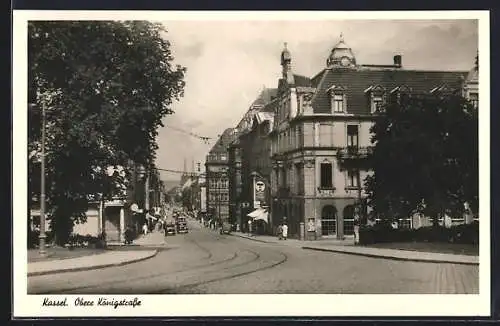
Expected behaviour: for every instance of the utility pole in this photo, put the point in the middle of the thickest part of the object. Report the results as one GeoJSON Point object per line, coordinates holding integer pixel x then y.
{"type": "Point", "coordinates": [316, 137]}
{"type": "Point", "coordinates": [146, 189]}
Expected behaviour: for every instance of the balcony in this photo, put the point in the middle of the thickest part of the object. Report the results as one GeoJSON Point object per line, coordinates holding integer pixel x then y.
{"type": "Point", "coordinates": [326, 191]}
{"type": "Point", "coordinates": [354, 152]}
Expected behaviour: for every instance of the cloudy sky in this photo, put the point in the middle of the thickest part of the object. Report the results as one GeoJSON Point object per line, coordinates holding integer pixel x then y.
{"type": "Point", "coordinates": [229, 62]}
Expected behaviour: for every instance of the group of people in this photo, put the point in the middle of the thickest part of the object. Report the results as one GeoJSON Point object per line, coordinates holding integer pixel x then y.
{"type": "Point", "coordinates": [282, 231]}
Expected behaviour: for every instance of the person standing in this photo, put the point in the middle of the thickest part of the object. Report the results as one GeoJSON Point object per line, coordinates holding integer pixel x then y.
{"type": "Point", "coordinates": [284, 229]}
{"type": "Point", "coordinates": [145, 229]}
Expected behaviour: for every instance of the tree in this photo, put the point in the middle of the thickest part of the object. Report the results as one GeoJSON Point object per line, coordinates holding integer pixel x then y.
{"type": "Point", "coordinates": [106, 85]}
{"type": "Point", "coordinates": [425, 151]}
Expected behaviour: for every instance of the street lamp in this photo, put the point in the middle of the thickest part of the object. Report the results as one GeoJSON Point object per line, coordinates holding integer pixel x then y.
{"type": "Point", "coordinates": [42, 235]}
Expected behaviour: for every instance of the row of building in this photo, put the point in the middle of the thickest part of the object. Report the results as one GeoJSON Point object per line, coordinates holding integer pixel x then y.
{"type": "Point", "coordinates": [283, 161]}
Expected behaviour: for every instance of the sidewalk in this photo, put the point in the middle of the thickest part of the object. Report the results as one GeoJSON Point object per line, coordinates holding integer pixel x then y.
{"type": "Point", "coordinates": [155, 238]}
{"type": "Point", "coordinates": [108, 259]}
{"type": "Point", "coordinates": [348, 247]}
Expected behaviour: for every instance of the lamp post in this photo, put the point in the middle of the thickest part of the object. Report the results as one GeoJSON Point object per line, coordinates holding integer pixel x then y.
{"type": "Point", "coordinates": [42, 235]}
{"type": "Point", "coordinates": [140, 172]}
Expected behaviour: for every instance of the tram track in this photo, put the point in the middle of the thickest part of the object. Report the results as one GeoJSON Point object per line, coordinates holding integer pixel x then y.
{"type": "Point", "coordinates": [208, 256]}
{"type": "Point", "coordinates": [232, 264]}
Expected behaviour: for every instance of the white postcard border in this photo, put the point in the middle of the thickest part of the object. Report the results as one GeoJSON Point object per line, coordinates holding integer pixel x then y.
{"type": "Point", "coordinates": [25, 305]}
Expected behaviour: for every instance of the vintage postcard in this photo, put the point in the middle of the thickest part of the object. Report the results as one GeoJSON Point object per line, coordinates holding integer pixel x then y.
{"type": "Point", "coordinates": [251, 163]}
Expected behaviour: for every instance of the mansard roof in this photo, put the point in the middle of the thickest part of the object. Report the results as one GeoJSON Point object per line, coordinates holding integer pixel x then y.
{"type": "Point", "coordinates": [356, 82]}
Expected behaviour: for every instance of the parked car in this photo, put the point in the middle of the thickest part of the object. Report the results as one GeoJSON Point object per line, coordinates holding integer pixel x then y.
{"type": "Point", "coordinates": [226, 228]}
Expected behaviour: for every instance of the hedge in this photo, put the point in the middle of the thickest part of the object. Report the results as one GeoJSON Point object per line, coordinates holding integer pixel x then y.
{"type": "Point", "coordinates": [33, 238]}
{"type": "Point", "coordinates": [383, 232]}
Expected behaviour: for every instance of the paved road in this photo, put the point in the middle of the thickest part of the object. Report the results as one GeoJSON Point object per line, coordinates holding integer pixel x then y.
{"type": "Point", "coordinates": [203, 261]}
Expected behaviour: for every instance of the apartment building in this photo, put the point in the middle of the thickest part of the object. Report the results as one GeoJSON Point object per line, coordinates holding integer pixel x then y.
{"type": "Point", "coordinates": [321, 122]}
{"type": "Point", "coordinates": [217, 177]}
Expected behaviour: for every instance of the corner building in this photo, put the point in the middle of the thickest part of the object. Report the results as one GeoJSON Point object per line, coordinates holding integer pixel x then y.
{"type": "Point", "coordinates": [217, 177]}
{"type": "Point", "coordinates": [322, 121]}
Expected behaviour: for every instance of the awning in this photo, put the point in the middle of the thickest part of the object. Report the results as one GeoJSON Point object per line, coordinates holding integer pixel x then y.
{"type": "Point", "coordinates": [259, 214]}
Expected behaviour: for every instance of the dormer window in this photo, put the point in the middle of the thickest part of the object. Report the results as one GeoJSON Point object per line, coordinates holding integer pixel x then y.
{"type": "Point", "coordinates": [338, 99]}
{"type": "Point", "coordinates": [375, 96]}
{"type": "Point", "coordinates": [338, 103]}
{"type": "Point", "coordinates": [399, 92]}
{"type": "Point", "coordinates": [442, 90]}
{"type": "Point", "coordinates": [377, 103]}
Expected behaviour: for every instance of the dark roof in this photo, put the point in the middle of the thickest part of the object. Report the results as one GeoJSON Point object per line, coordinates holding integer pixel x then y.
{"type": "Point", "coordinates": [357, 81]}
{"type": "Point", "coordinates": [302, 81]}
{"type": "Point", "coordinates": [223, 142]}
{"type": "Point", "coordinates": [265, 96]}
{"type": "Point", "coordinates": [270, 107]}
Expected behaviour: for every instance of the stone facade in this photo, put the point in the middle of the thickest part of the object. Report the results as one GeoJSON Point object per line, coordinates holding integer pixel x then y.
{"type": "Point", "coordinates": [217, 177]}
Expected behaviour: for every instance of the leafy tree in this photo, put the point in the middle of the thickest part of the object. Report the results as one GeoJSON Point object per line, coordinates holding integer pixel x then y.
{"type": "Point", "coordinates": [106, 85]}
{"type": "Point", "coordinates": [426, 152]}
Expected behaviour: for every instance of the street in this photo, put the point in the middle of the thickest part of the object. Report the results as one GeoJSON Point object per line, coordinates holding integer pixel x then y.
{"type": "Point", "coordinates": [203, 261]}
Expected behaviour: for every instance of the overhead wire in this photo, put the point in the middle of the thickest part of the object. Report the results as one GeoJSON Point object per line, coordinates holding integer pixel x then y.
{"type": "Point", "coordinates": [206, 140]}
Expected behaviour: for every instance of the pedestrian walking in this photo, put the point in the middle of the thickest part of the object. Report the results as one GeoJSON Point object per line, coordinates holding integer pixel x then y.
{"type": "Point", "coordinates": [279, 231]}
{"type": "Point", "coordinates": [128, 236]}
{"type": "Point", "coordinates": [249, 227]}
{"type": "Point", "coordinates": [284, 229]}
{"type": "Point", "coordinates": [145, 229]}
{"type": "Point", "coordinates": [356, 228]}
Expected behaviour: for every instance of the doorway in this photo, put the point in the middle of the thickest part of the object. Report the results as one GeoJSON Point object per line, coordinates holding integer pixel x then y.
{"type": "Point", "coordinates": [329, 220]}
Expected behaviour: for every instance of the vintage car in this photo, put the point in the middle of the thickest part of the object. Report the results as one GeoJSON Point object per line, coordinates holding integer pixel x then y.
{"type": "Point", "coordinates": [225, 228]}
{"type": "Point", "coordinates": [170, 228]}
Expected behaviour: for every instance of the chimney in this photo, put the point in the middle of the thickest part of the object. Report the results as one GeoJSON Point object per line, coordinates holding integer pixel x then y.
{"type": "Point", "coordinates": [398, 61]}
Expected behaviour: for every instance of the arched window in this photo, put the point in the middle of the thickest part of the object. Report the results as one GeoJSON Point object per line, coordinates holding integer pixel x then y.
{"type": "Point", "coordinates": [348, 215]}
{"type": "Point", "coordinates": [329, 220]}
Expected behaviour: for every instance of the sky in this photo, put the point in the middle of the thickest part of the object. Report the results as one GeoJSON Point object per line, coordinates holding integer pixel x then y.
{"type": "Point", "coordinates": [229, 62]}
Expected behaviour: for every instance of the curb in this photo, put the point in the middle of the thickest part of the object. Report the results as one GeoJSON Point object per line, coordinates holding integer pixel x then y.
{"type": "Point", "coordinates": [442, 261]}
{"type": "Point", "coordinates": [86, 268]}
{"type": "Point", "coordinates": [249, 238]}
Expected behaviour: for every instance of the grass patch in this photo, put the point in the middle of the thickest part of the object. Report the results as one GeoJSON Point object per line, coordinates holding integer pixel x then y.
{"type": "Point", "coordinates": [437, 247]}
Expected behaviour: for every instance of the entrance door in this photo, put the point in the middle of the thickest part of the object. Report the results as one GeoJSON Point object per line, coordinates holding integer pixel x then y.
{"type": "Point", "coordinates": [349, 220]}
{"type": "Point", "coordinates": [329, 220]}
